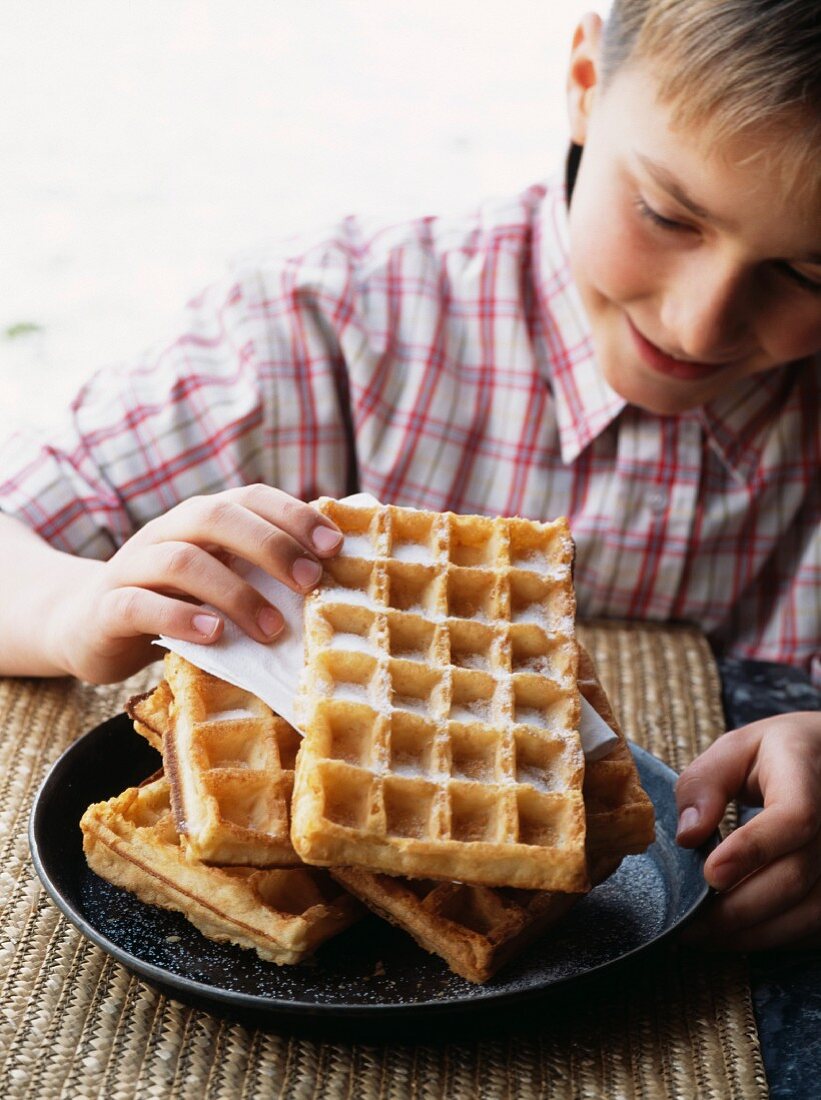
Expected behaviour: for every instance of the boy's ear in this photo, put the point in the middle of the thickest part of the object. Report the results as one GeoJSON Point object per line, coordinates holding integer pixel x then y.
{"type": "Point", "coordinates": [583, 75]}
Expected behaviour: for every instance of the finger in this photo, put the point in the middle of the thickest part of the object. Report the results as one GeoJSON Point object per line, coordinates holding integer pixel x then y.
{"type": "Point", "coordinates": [189, 571]}
{"type": "Point", "coordinates": [707, 784]}
{"type": "Point", "coordinates": [799, 926]}
{"type": "Point", "coordinates": [773, 890]}
{"type": "Point", "coordinates": [223, 522]}
{"type": "Point", "coordinates": [790, 820]}
{"type": "Point", "coordinates": [131, 612]}
{"type": "Point", "coordinates": [307, 526]}
{"type": "Point", "coordinates": [304, 523]}
{"type": "Point", "coordinates": [774, 832]}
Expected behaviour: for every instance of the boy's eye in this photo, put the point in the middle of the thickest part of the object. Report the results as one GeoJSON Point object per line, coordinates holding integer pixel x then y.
{"type": "Point", "coordinates": [658, 219]}
{"type": "Point", "coordinates": [797, 277]}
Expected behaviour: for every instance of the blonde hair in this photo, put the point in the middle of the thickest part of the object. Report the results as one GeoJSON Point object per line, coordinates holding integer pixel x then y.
{"type": "Point", "coordinates": [731, 68]}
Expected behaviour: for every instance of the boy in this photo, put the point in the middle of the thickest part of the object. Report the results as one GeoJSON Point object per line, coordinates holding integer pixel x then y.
{"type": "Point", "coordinates": [664, 398]}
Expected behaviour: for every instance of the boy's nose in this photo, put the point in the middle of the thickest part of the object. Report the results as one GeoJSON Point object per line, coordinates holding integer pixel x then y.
{"type": "Point", "coordinates": [707, 315]}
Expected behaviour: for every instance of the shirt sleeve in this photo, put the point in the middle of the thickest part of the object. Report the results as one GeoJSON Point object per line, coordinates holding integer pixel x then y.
{"type": "Point", "coordinates": [248, 384]}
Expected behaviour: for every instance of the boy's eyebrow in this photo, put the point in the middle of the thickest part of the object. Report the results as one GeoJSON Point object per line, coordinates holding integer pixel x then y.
{"type": "Point", "coordinates": [664, 178]}
{"type": "Point", "coordinates": [670, 184]}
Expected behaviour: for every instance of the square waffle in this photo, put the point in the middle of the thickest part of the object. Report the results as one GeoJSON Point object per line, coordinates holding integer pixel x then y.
{"type": "Point", "coordinates": [283, 914]}
{"type": "Point", "coordinates": [229, 761]}
{"type": "Point", "coordinates": [476, 929]}
{"type": "Point", "coordinates": [440, 703]}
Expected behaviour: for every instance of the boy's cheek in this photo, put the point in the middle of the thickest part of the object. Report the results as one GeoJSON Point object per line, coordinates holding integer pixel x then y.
{"type": "Point", "coordinates": [795, 338]}
{"type": "Point", "coordinates": [610, 257]}
{"type": "Point", "coordinates": [610, 263]}
{"type": "Point", "coordinates": [785, 328]}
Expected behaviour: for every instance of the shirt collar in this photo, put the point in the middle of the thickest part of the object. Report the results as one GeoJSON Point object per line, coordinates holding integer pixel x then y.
{"type": "Point", "coordinates": [737, 424]}
{"type": "Point", "coordinates": [585, 404]}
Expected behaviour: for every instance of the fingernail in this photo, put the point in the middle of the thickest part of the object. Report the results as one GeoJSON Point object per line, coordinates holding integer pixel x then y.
{"type": "Point", "coordinates": [325, 539]}
{"type": "Point", "coordinates": [270, 622]}
{"type": "Point", "coordinates": [687, 820]}
{"type": "Point", "coordinates": [724, 875]}
{"type": "Point", "coordinates": [306, 572]}
{"type": "Point", "coordinates": [205, 624]}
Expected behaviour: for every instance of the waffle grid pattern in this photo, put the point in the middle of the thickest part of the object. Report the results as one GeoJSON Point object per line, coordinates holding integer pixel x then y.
{"type": "Point", "coordinates": [477, 929]}
{"type": "Point", "coordinates": [283, 913]}
{"type": "Point", "coordinates": [230, 762]}
{"type": "Point", "coordinates": [440, 703]}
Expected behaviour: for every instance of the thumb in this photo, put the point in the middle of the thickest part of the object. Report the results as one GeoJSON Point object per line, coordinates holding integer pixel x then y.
{"type": "Point", "coordinates": [707, 784]}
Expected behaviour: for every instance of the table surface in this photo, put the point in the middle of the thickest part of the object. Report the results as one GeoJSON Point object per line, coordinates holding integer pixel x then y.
{"type": "Point", "coordinates": [786, 985]}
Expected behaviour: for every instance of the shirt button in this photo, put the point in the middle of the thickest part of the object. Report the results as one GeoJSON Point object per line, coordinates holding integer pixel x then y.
{"type": "Point", "coordinates": [656, 500]}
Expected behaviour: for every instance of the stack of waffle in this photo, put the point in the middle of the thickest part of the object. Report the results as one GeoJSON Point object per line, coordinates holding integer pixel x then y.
{"type": "Point", "coordinates": [209, 835]}
{"type": "Point", "coordinates": [440, 780]}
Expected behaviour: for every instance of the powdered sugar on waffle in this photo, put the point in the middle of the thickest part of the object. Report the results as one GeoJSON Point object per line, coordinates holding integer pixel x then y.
{"type": "Point", "coordinates": [271, 672]}
{"type": "Point", "coordinates": [477, 734]}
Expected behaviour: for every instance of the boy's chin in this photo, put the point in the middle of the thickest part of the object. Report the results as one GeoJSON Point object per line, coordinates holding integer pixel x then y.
{"type": "Point", "coordinates": [655, 395]}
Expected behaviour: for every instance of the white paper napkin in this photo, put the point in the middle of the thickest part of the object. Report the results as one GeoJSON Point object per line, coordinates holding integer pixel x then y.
{"type": "Point", "coordinates": [272, 671]}
{"type": "Point", "coordinates": [597, 737]}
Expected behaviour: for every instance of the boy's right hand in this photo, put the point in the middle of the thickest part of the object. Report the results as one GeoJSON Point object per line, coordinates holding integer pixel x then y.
{"type": "Point", "coordinates": [156, 581]}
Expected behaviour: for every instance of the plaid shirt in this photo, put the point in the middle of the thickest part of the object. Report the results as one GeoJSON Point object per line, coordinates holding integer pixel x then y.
{"type": "Point", "coordinates": [447, 364]}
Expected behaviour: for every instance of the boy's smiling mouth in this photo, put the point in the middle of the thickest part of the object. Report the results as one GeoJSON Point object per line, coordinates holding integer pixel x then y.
{"type": "Point", "coordinates": [668, 365]}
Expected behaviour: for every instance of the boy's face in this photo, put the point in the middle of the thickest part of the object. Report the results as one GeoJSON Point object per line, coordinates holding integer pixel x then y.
{"type": "Point", "coordinates": [695, 271]}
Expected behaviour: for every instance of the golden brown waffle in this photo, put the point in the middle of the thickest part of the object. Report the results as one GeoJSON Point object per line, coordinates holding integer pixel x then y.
{"type": "Point", "coordinates": [150, 713]}
{"type": "Point", "coordinates": [477, 929]}
{"type": "Point", "coordinates": [284, 914]}
{"type": "Point", "coordinates": [229, 761]}
{"type": "Point", "coordinates": [439, 702]}
{"type": "Point", "coordinates": [620, 817]}
{"type": "Point", "coordinates": [474, 928]}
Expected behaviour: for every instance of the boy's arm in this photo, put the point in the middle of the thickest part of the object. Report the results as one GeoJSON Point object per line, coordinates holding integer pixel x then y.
{"type": "Point", "coordinates": [767, 872]}
{"type": "Point", "coordinates": [36, 578]}
{"type": "Point", "coordinates": [213, 410]}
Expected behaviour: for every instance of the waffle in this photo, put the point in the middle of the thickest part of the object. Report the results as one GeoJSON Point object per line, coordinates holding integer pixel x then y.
{"type": "Point", "coordinates": [283, 914]}
{"type": "Point", "coordinates": [229, 761]}
{"type": "Point", "coordinates": [440, 703]}
{"type": "Point", "coordinates": [150, 713]}
{"type": "Point", "coordinates": [620, 817]}
{"type": "Point", "coordinates": [476, 929]}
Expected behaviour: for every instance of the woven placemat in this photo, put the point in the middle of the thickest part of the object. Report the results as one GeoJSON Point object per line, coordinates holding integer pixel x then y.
{"type": "Point", "coordinates": [74, 1023]}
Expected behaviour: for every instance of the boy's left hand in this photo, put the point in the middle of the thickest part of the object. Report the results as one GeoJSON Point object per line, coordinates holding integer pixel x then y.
{"type": "Point", "coordinates": [767, 872]}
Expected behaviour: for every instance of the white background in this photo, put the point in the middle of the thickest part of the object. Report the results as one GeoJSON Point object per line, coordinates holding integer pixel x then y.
{"type": "Point", "coordinates": [143, 145]}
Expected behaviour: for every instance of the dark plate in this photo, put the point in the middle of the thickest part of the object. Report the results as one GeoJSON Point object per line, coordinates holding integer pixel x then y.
{"type": "Point", "coordinates": [371, 971]}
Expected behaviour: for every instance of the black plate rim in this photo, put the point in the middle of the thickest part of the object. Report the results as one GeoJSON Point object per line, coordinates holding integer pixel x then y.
{"type": "Point", "coordinates": [487, 998]}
